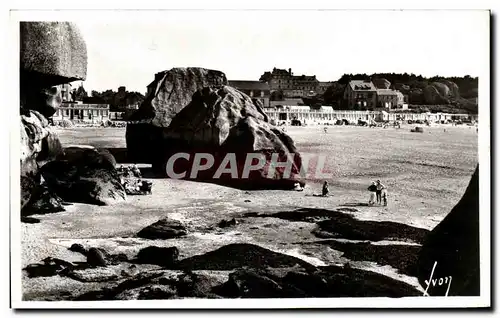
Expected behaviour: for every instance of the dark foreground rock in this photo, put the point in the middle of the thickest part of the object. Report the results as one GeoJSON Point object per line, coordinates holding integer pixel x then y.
{"type": "Point", "coordinates": [43, 201]}
{"type": "Point", "coordinates": [163, 256]}
{"type": "Point", "coordinates": [163, 229]}
{"type": "Point", "coordinates": [451, 250]}
{"type": "Point", "coordinates": [330, 281]}
{"type": "Point", "coordinates": [90, 178]}
{"type": "Point", "coordinates": [171, 91]}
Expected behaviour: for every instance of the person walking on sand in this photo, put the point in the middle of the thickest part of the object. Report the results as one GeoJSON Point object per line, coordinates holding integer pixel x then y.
{"type": "Point", "coordinates": [373, 189]}
{"type": "Point", "coordinates": [325, 190]}
{"type": "Point", "coordinates": [380, 187]}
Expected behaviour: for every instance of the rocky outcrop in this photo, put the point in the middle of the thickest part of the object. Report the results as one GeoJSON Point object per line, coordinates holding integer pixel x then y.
{"type": "Point", "coordinates": [163, 229]}
{"type": "Point", "coordinates": [226, 124]}
{"type": "Point", "coordinates": [328, 281]}
{"type": "Point", "coordinates": [451, 251]}
{"type": "Point", "coordinates": [90, 178]}
{"type": "Point", "coordinates": [440, 92]}
{"type": "Point", "coordinates": [38, 145]}
{"type": "Point", "coordinates": [43, 201]}
{"type": "Point", "coordinates": [171, 91]}
{"type": "Point", "coordinates": [51, 54]}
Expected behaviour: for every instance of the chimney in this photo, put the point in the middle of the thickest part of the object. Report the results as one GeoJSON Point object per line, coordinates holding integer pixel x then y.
{"type": "Point", "coordinates": [290, 71]}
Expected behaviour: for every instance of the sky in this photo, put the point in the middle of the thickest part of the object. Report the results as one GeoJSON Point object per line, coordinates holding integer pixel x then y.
{"type": "Point", "coordinates": [127, 48]}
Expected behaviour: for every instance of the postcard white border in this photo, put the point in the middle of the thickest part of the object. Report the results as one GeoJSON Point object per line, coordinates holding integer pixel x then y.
{"type": "Point", "coordinates": [414, 302]}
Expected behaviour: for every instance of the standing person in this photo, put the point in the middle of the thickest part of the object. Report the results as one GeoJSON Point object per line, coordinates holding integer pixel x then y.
{"type": "Point", "coordinates": [373, 189]}
{"type": "Point", "coordinates": [384, 196]}
{"type": "Point", "coordinates": [380, 187]}
{"type": "Point", "coordinates": [325, 190]}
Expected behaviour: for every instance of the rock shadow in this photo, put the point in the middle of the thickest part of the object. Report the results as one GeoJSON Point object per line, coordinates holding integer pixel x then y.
{"type": "Point", "coordinates": [356, 204]}
{"type": "Point", "coordinates": [402, 257]}
{"type": "Point", "coordinates": [336, 224]}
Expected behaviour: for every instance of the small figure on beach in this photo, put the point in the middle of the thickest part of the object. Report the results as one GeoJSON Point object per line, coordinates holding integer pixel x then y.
{"type": "Point", "coordinates": [384, 196]}
{"type": "Point", "coordinates": [325, 190]}
{"type": "Point", "coordinates": [380, 187]}
{"type": "Point", "coordinates": [373, 190]}
{"type": "Point", "coordinates": [325, 129]}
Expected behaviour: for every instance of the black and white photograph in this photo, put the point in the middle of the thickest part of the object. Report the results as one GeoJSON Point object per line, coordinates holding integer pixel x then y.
{"type": "Point", "coordinates": [250, 159]}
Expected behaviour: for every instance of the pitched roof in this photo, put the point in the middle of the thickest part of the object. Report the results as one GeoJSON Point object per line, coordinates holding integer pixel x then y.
{"type": "Point", "coordinates": [386, 92]}
{"type": "Point", "coordinates": [360, 85]}
{"type": "Point", "coordinates": [255, 85]}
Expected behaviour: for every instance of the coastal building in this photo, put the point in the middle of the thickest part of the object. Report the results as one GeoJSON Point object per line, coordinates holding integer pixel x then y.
{"type": "Point", "coordinates": [84, 113]}
{"type": "Point", "coordinates": [364, 95]}
{"type": "Point", "coordinates": [387, 99]}
{"type": "Point", "coordinates": [293, 86]}
{"type": "Point", "coordinates": [256, 90]}
{"type": "Point", "coordinates": [328, 115]}
{"type": "Point", "coordinates": [361, 95]}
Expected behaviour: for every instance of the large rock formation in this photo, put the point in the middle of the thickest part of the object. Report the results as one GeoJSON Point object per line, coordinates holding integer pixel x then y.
{"type": "Point", "coordinates": [51, 54]}
{"type": "Point", "coordinates": [440, 92]}
{"type": "Point", "coordinates": [449, 259]}
{"type": "Point", "coordinates": [38, 144]}
{"type": "Point", "coordinates": [171, 91]}
{"type": "Point", "coordinates": [90, 178]}
{"type": "Point", "coordinates": [53, 49]}
{"type": "Point", "coordinates": [222, 121]}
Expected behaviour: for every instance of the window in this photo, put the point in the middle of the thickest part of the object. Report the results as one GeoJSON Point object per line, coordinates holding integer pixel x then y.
{"type": "Point", "coordinates": [67, 112]}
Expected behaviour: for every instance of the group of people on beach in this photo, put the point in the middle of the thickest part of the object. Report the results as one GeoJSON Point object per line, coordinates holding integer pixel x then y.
{"type": "Point", "coordinates": [378, 192]}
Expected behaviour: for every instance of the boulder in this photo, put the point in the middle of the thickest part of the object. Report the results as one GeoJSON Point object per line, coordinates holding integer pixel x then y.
{"type": "Point", "coordinates": [163, 229]}
{"type": "Point", "coordinates": [440, 92]}
{"type": "Point", "coordinates": [170, 92]}
{"type": "Point", "coordinates": [89, 178]}
{"type": "Point", "coordinates": [226, 124]}
{"type": "Point", "coordinates": [452, 249]}
{"type": "Point", "coordinates": [53, 48]}
{"type": "Point", "coordinates": [96, 257]}
{"type": "Point", "coordinates": [163, 256]}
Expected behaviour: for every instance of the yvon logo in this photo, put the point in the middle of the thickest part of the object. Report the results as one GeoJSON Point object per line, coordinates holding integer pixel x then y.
{"type": "Point", "coordinates": [437, 282]}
